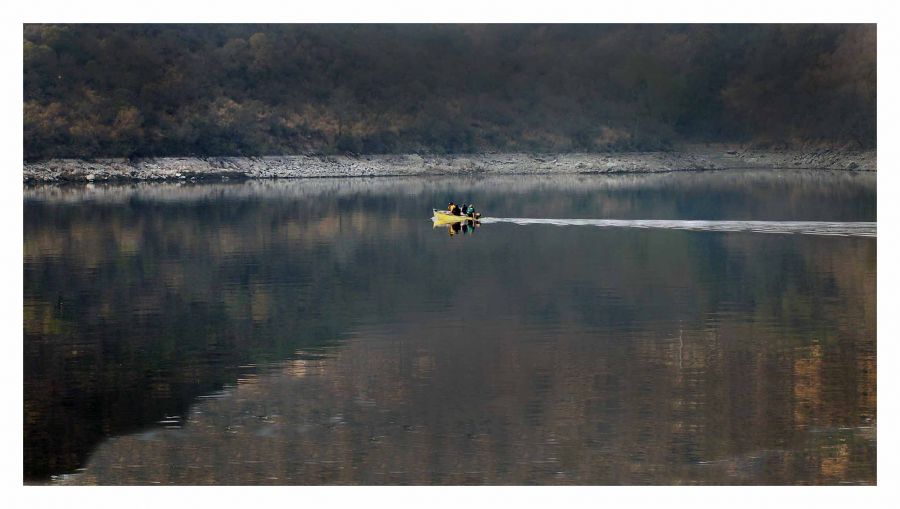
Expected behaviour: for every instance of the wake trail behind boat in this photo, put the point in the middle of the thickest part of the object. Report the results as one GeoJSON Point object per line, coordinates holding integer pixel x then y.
{"type": "Point", "coordinates": [841, 229]}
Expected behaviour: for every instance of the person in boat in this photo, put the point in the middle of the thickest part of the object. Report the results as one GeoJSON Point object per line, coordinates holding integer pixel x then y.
{"type": "Point", "coordinates": [454, 209]}
{"type": "Point", "coordinates": [469, 211]}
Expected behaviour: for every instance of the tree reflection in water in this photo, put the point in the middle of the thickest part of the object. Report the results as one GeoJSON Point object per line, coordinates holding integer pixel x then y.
{"type": "Point", "coordinates": [313, 332]}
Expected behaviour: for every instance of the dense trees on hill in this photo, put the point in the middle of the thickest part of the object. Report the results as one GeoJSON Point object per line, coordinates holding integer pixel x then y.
{"type": "Point", "coordinates": [153, 90]}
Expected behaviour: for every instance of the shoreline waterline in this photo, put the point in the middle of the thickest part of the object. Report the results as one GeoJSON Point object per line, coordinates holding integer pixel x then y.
{"type": "Point", "coordinates": [308, 166]}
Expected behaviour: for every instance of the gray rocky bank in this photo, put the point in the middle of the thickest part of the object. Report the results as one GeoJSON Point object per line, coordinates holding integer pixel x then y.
{"type": "Point", "coordinates": [306, 166]}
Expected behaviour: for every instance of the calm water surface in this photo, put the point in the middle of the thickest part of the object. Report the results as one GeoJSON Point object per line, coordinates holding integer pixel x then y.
{"type": "Point", "coordinates": [322, 332]}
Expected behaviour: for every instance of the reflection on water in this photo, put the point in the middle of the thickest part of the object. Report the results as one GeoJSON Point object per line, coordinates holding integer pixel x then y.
{"type": "Point", "coordinates": [312, 332]}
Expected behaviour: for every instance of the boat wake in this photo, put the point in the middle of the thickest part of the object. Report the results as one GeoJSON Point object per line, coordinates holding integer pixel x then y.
{"type": "Point", "coordinates": [841, 229]}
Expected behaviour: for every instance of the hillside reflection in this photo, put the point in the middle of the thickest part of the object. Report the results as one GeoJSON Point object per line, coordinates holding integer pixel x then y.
{"type": "Point", "coordinates": [350, 352]}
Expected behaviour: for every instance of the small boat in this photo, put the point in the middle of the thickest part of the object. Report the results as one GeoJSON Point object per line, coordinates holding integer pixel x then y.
{"type": "Point", "coordinates": [445, 217]}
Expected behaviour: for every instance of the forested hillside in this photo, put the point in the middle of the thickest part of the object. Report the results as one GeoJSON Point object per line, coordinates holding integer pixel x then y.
{"type": "Point", "coordinates": [155, 90]}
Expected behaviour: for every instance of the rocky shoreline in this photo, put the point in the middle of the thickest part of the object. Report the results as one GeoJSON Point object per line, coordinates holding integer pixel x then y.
{"type": "Point", "coordinates": [307, 166]}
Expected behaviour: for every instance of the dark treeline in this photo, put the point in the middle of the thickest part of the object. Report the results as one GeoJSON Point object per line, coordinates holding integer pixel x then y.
{"type": "Point", "coordinates": [155, 90]}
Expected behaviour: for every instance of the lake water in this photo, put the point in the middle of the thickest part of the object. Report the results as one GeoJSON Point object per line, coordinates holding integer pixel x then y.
{"type": "Point", "coordinates": [323, 332]}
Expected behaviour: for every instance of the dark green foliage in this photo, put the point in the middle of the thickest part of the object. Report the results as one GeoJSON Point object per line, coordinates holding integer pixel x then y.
{"type": "Point", "coordinates": [154, 90]}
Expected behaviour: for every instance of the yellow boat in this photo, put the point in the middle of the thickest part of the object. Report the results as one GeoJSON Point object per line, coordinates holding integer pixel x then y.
{"type": "Point", "coordinates": [445, 217]}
